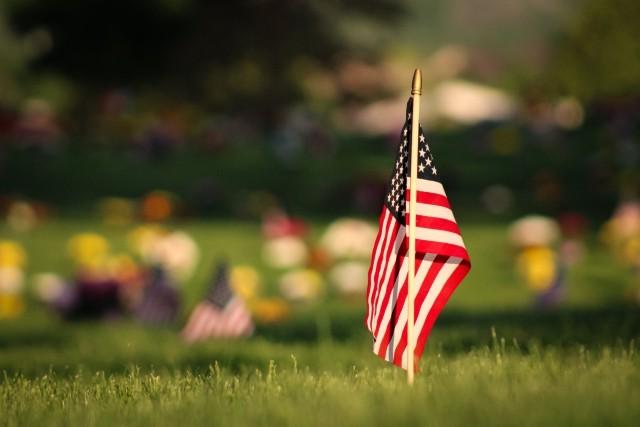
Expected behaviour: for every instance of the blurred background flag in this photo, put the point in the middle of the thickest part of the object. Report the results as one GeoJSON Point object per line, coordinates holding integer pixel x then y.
{"type": "Point", "coordinates": [161, 300]}
{"type": "Point", "coordinates": [222, 314]}
{"type": "Point", "coordinates": [442, 260]}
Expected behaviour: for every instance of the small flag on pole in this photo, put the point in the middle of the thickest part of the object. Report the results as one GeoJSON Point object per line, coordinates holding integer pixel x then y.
{"type": "Point", "coordinates": [441, 260]}
{"type": "Point", "coordinates": [160, 302]}
{"type": "Point", "coordinates": [222, 314]}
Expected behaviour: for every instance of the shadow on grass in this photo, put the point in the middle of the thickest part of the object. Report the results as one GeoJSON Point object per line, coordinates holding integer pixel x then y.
{"type": "Point", "coordinates": [333, 340]}
{"type": "Point", "coordinates": [564, 327]}
{"type": "Point", "coordinates": [559, 327]}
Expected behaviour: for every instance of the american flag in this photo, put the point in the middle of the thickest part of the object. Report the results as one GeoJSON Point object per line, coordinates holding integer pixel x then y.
{"type": "Point", "coordinates": [442, 260]}
{"type": "Point", "coordinates": [222, 314]}
{"type": "Point", "coordinates": [160, 302]}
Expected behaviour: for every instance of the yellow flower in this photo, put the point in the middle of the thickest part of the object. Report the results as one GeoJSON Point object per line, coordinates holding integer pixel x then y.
{"type": "Point", "coordinates": [11, 306]}
{"type": "Point", "coordinates": [12, 254]}
{"type": "Point", "coordinates": [141, 239]}
{"type": "Point", "coordinates": [630, 251]}
{"type": "Point", "coordinates": [245, 281]}
{"type": "Point", "coordinates": [123, 267]}
{"type": "Point", "coordinates": [537, 266]}
{"type": "Point", "coordinates": [301, 285]}
{"type": "Point", "coordinates": [88, 249]}
{"type": "Point", "coordinates": [270, 310]}
{"type": "Point", "coordinates": [116, 210]}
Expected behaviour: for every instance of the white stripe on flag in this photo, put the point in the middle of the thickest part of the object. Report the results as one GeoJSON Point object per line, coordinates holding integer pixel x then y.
{"type": "Point", "coordinates": [441, 236]}
{"type": "Point", "coordinates": [443, 275]}
{"type": "Point", "coordinates": [434, 211]}
{"type": "Point", "coordinates": [401, 326]}
{"type": "Point", "coordinates": [428, 186]}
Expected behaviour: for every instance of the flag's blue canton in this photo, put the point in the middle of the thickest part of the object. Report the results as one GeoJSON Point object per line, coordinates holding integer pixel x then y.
{"type": "Point", "coordinates": [395, 197]}
{"type": "Point", "coordinates": [220, 293]}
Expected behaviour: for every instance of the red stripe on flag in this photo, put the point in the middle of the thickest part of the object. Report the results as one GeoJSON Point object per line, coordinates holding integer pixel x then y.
{"type": "Point", "coordinates": [437, 224]}
{"type": "Point", "coordinates": [430, 198]}
{"type": "Point", "coordinates": [396, 311]}
{"type": "Point", "coordinates": [429, 247]}
{"type": "Point", "coordinates": [392, 262]}
{"type": "Point", "coordinates": [372, 270]}
{"type": "Point", "coordinates": [452, 283]}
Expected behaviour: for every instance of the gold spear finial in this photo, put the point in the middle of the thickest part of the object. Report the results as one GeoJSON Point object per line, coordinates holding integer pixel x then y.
{"type": "Point", "coordinates": [416, 86]}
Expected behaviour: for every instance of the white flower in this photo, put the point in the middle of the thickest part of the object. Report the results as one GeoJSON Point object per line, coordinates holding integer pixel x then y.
{"type": "Point", "coordinates": [349, 238]}
{"type": "Point", "coordinates": [533, 230]}
{"type": "Point", "coordinates": [11, 279]}
{"type": "Point", "coordinates": [177, 252]}
{"type": "Point", "coordinates": [285, 252]}
{"type": "Point", "coordinates": [301, 285]}
{"type": "Point", "coordinates": [349, 277]}
{"type": "Point", "coordinates": [48, 286]}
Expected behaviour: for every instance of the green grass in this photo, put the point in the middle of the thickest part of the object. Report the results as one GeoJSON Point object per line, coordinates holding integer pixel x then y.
{"type": "Point", "coordinates": [491, 359]}
{"type": "Point", "coordinates": [487, 386]}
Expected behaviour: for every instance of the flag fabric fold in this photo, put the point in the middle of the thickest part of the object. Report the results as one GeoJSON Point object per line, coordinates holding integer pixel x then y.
{"type": "Point", "coordinates": [442, 260]}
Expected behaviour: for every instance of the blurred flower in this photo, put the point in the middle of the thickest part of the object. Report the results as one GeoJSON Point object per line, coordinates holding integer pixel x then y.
{"type": "Point", "coordinates": [301, 285]}
{"type": "Point", "coordinates": [11, 306]}
{"type": "Point", "coordinates": [11, 279]}
{"type": "Point", "coordinates": [468, 103]}
{"type": "Point", "coordinates": [177, 252]}
{"type": "Point", "coordinates": [158, 206]}
{"type": "Point", "coordinates": [285, 252]}
{"type": "Point", "coordinates": [572, 224]}
{"type": "Point", "coordinates": [533, 230]}
{"type": "Point", "coordinates": [270, 310]}
{"type": "Point", "coordinates": [622, 233]}
{"type": "Point", "coordinates": [571, 252]}
{"type": "Point", "coordinates": [141, 239]}
{"type": "Point", "coordinates": [349, 238]}
{"type": "Point", "coordinates": [625, 222]}
{"type": "Point", "coordinates": [277, 224]}
{"type": "Point", "coordinates": [630, 252]}
{"type": "Point", "coordinates": [537, 266]}
{"type": "Point", "coordinates": [319, 259]}
{"type": "Point", "coordinates": [88, 250]}
{"type": "Point", "coordinates": [37, 125]}
{"type": "Point", "coordinates": [12, 254]}
{"type": "Point", "coordinates": [568, 113]}
{"type": "Point", "coordinates": [349, 277]}
{"type": "Point", "coordinates": [245, 281]}
{"type": "Point", "coordinates": [116, 211]}
{"type": "Point", "coordinates": [21, 216]}
{"type": "Point", "coordinates": [48, 287]}
{"type": "Point", "coordinates": [122, 268]}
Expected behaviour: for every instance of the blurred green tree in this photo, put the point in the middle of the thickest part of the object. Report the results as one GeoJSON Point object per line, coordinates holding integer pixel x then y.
{"type": "Point", "coordinates": [15, 54]}
{"type": "Point", "coordinates": [598, 56]}
{"type": "Point", "coordinates": [218, 53]}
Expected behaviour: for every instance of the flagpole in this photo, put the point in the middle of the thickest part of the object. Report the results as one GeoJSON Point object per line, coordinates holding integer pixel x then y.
{"type": "Point", "coordinates": [416, 91]}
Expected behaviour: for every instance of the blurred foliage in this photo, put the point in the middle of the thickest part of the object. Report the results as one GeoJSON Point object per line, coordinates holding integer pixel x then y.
{"type": "Point", "coordinates": [217, 53]}
{"type": "Point", "coordinates": [598, 56]}
{"type": "Point", "coordinates": [15, 54]}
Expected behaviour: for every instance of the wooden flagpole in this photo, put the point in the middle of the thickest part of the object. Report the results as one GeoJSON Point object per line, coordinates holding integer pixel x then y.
{"type": "Point", "coordinates": [416, 91]}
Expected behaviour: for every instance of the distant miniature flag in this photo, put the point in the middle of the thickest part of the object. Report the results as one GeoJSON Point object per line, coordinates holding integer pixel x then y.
{"type": "Point", "coordinates": [160, 302]}
{"type": "Point", "coordinates": [222, 314]}
{"type": "Point", "coordinates": [442, 260]}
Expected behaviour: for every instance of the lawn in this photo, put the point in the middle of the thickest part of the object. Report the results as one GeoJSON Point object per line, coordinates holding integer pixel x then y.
{"type": "Point", "coordinates": [491, 359]}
